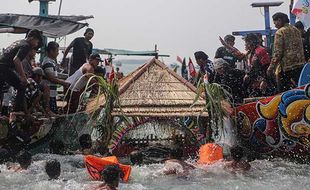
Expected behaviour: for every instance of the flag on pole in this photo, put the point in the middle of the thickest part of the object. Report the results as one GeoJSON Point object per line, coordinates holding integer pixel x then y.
{"type": "Point", "coordinates": [179, 59]}
{"type": "Point", "coordinates": [301, 9]}
{"type": "Point", "coordinates": [184, 71]}
{"type": "Point", "coordinates": [191, 68]}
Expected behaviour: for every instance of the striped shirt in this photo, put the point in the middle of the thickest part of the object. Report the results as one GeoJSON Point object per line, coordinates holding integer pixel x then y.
{"type": "Point", "coordinates": [49, 67]}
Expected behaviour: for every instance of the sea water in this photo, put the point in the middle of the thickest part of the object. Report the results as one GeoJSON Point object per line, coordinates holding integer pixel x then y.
{"type": "Point", "coordinates": [264, 174]}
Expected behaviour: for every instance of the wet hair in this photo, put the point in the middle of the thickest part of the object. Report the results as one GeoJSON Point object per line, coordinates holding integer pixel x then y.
{"type": "Point", "coordinates": [4, 155]}
{"type": "Point", "coordinates": [56, 147]}
{"type": "Point", "coordinates": [252, 39]}
{"type": "Point", "coordinates": [136, 158]}
{"type": "Point", "coordinates": [229, 38]}
{"type": "Point", "coordinates": [176, 153]}
{"type": "Point", "coordinates": [201, 55]}
{"type": "Point", "coordinates": [52, 168]}
{"type": "Point", "coordinates": [24, 159]}
{"type": "Point", "coordinates": [85, 141]}
{"type": "Point", "coordinates": [117, 69]}
{"type": "Point", "coordinates": [88, 30]}
{"type": "Point", "coordinates": [281, 16]}
{"type": "Point", "coordinates": [51, 46]}
{"type": "Point", "coordinates": [35, 34]}
{"type": "Point", "coordinates": [100, 71]}
{"type": "Point", "coordinates": [299, 25]}
{"type": "Point", "coordinates": [236, 153]}
{"type": "Point", "coordinates": [103, 150]}
{"type": "Point", "coordinates": [111, 173]}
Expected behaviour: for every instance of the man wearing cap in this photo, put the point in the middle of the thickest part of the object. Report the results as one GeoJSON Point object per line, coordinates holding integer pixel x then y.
{"type": "Point", "coordinates": [79, 80]}
{"type": "Point", "coordinates": [11, 69]}
{"type": "Point", "coordinates": [34, 90]}
{"type": "Point", "coordinates": [205, 66]}
{"type": "Point", "coordinates": [82, 48]}
{"type": "Point", "coordinates": [224, 53]}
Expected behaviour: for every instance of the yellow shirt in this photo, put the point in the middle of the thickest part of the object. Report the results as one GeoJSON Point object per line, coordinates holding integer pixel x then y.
{"type": "Point", "coordinates": [288, 52]}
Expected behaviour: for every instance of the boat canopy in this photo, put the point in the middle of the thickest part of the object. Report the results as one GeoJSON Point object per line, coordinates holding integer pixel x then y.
{"type": "Point", "coordinates": [51, 26]}
{"type": "Point", "coordinates": [115, 52]}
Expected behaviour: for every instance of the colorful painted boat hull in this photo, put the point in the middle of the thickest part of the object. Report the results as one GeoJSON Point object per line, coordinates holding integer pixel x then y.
{"type": "Point", "coordinates": [278, 125]}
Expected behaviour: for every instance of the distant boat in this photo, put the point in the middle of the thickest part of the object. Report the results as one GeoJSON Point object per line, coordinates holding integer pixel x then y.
{"type": "Point", "coordinates": [118, 64]}
{"type": "Point", "coordinates": [174, 65]}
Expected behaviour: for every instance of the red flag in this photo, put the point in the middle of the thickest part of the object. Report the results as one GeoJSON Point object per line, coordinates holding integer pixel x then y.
{"type": "Point", "coordinates": [191, 68]}
{"type": "Point", "coordinates": [179, 59]}
{"type": "Point", "coordinates": [111, 75]}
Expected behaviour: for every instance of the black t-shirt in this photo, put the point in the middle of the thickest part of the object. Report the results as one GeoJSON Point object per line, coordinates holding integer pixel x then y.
{"type": "Point", "coordinates": [18, 49]}
{"type": "Point", "coordinates": [232, 78]}
{"type": "Point", "coordinates": [226, 55]}
{"type": "Point", "coordinates": [81, 50]}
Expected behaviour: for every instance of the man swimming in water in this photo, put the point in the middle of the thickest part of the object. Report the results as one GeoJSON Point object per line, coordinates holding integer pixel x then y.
{"type": "Point", "coordinates": [175, 165]}
{"type": "Point", "coordinates": [238, 164]}
{"type": "Point", "coordinates": [111, 176]}
{"type": "Point", "coordinates": [52, 169]}
{"type": "Point", "coordinates": [24, 159]}
{"type": "Point", "coordinates": [86, 144]}
{"type": "Point", "coordinates": [136, 158]}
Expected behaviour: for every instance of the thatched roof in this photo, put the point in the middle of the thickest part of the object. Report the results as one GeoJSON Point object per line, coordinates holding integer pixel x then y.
{"type": "Point", "coordinates": [153, 90]}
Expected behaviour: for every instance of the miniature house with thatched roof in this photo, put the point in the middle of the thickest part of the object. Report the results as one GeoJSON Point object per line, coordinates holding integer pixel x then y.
{"type": "Point", "coordinates": [153, 92]}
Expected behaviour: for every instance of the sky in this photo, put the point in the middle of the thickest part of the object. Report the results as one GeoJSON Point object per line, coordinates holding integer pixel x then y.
{"type": "Point", "coordinates": [178, 27]}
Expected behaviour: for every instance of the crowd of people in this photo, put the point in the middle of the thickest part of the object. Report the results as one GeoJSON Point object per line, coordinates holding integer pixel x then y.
{"type": "Point", "coordinates": [172, 164]}
{"type": "Point", "coordinates": [260, 71]}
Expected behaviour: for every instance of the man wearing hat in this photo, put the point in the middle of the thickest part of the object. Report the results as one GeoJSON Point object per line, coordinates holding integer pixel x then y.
{"type": "Point", "coordinates": [34, 90]}
{"type": "Point", "coordinates": [230, 78]}
{"type": "Point", "coordinates": [82, 48]}
{"type": "Point", "coordinates": [226, 54]}
{"type": "Point", "coordinates": [79, 80]}
{"type": "Point", "coordinates": [11, 69]}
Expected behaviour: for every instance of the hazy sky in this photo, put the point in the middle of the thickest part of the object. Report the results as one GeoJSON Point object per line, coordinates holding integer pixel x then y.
{"type": "Point", "coordinates": [179, 27]}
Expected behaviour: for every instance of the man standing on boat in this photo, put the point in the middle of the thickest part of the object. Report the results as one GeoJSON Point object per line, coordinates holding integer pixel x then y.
{"type": "Point", "coordinates": [11, 69]}
{"type": "Point", "coordinates": [82, 48]}
{"type": "Point", "coordinates": [79, 80]}
{"type": "Point", "coordinates": [288, 54]}
{"type": "Point", "coordinates": [51, 76]}
{"type": "Point", "coordinates": [224, 53]}
{"type": "Point", "coordinates": [205, 66]}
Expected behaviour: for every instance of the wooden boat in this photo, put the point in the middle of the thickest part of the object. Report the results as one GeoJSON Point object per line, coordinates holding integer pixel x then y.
{"type": "Point", "coordinates": [277, 125]}
{"type": "Point", "coordinates": [67, 128]}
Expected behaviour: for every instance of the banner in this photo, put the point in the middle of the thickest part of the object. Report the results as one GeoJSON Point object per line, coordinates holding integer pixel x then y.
{"type": "Point", "coordinates": [301, 9]}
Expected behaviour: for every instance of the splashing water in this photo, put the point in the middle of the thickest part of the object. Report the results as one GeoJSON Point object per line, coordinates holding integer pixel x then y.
{"type": "Point", "coordinates": [276, 174]}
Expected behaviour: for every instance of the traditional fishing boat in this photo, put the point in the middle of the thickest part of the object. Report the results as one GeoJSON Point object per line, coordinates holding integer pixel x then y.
{"type": "Point", "coordinates": [277, 125]}
{"type": "Point", "coordinates": [41, 128]}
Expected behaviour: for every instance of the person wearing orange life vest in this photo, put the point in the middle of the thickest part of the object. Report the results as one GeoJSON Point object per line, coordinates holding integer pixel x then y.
{"type": "Point", "coordinates": [210, 153]}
